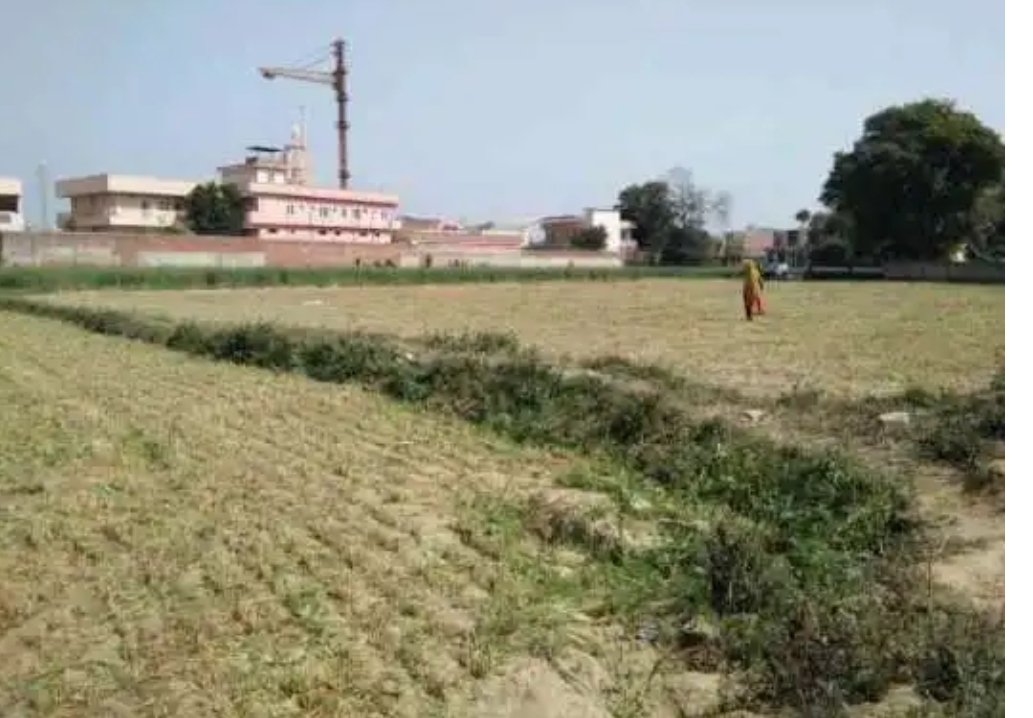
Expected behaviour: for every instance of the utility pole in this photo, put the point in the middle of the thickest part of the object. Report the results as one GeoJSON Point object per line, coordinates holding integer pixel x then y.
{"type": "Point", "coordinates": [341, 91]}
{"type": "Point", "coordinates": [44, 195]}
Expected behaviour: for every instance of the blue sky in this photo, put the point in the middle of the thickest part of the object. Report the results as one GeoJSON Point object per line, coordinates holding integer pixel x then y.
{"type": "Point", "coordinates": [489, 110]}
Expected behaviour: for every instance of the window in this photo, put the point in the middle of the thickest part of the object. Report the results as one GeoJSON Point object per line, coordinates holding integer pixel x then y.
{"type": "Point", "coordinates": [324, 211]}
{"type": "Point", "coordinates": [290, 209]}
{"type": "Point", "coordinates": [261, 176]}
{"type": "Point", "coordinates": [145, 205]}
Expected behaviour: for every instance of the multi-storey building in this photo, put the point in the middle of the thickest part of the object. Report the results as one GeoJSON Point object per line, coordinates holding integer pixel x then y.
{"type": "Point", "coordinates": [11, 216]}
{"type": "Point", "coordinates": [282, 205]}
{"type": "Point", "coordinates": [279, 202]}
{"type": "Point", "coordinates": [106, 202]}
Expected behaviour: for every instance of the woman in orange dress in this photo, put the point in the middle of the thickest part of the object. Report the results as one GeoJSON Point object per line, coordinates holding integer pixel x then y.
{"type": "Point", "coordinates": [752, 289]}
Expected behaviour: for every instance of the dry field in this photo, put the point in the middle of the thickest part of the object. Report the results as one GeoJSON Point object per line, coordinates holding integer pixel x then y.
{"type": "Point", "coordinates": [846, 338]}
{"type": "Point", "coordinates": [186, 538]}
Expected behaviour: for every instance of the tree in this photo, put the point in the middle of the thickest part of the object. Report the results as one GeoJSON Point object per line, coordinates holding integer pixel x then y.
{"type": "Point", "coordinates": [908, 186]}
{"type": "Point", "coordinates": [589, 238]}
{"type": "Point", "coordinates": [213, 208]}
{"type": "Point", "coordinates": [988, 221]}
{"type": "Point", "coordinates": [670, 217]}
{"type": "Point", "coordinates": [649, 208]}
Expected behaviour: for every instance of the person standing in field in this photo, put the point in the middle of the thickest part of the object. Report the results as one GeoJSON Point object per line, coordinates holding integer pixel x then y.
{"type": "Point", "coordinates": [752, 289]}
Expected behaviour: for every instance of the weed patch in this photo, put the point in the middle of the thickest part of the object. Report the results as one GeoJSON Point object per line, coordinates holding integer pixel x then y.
{"type": "Point", "coordinates": [51, 279]}
{"type": "Point", "coordinates": [804, 561]}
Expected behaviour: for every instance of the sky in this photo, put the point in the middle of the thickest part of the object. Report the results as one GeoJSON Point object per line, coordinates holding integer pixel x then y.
{"type": "Point", "coordinates": [486, 110]}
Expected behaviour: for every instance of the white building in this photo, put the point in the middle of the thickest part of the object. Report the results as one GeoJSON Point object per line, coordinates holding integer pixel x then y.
{"type": "Point", "coordinates": [557, 231]}
{"type": "Point", "coordinates": [108, 202]}
{"type": "Point", "coordinates": [618, 231]}
{"type": "Point", "coordinates": [11, 215]}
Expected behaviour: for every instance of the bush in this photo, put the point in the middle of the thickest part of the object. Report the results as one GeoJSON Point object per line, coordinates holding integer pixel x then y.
{"type": "Point", "coordinates": [962, 426]}
{"type": "Point", "coordinates": [832, 253]}
{"type": "Point", "coordinates": [51, 279]}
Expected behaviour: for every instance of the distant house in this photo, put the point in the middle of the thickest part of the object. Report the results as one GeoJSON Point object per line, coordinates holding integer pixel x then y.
{"type": "Point", "coordinates": [410, 223]}
{"type": "Point", "coordinates": [108, 202]}
{"type": "Point", "coordinates": [558, 231]}
{"type": "Point", "coordinates": [758, 241]}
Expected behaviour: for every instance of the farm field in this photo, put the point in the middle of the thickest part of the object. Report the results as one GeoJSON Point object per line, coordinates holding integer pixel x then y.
{"type": "Point", "coordinates": [186, 536]}
{"type": "Point", "coordinates": [181, 537]}
{"type": "Point", "coordinates": [845, 338]}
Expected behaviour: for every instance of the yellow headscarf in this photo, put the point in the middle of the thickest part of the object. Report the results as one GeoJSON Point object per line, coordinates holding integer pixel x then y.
{"type": "Point", "coordinates": [751, 273]}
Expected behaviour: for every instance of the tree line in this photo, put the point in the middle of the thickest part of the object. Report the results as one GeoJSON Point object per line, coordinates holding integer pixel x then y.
{"type": "Point", "coordinates": [923, 181]}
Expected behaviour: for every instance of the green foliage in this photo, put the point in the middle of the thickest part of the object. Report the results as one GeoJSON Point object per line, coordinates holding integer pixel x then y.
{"type": "Point", "coordinates": [670, 219]}
{"type": "Point", "coordinates": [805, 561]}
{"type": "Point", "coordinates": [213, 208]}
{"type": "Point", "coordinates": [51, 279]}
{"type": "Point", "coordinates": [988, 218]}
{"type": "Point", "coordinates": [962, 426]}
{"type": "Point", "coordinates": [831, 253]}
{"type": "Point", "coordinates": [910, 183]}
{"type": "Point", "coordinates": [649, 208]}
{"type": "Point", "coordinates": [589, 238]}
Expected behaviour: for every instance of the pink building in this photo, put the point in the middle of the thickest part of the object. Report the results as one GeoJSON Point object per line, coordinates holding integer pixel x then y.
{"type": "Point", "coordinates": [282, 205]}
{"type": "Point", "coordinates": [280, 202]}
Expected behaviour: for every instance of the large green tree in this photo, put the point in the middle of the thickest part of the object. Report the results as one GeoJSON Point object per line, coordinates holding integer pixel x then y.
{"type": "Point", "coordinates": [909, 185]}
{"type": "Point", "coordinates": [214, 208]}
{"type": "Point", "coordinates": [670, 218]}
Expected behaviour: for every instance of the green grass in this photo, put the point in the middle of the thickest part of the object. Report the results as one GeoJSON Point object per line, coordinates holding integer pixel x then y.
{"type": "Point", "coordinates": [808, 565]}
{"type": "Point", "coordinates": [52, 279]}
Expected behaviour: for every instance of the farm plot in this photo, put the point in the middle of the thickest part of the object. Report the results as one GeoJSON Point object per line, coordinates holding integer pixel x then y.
{"type": "Point", "coordinates": [180, 537]}
{"type": "Point", "coordinates": [854, 339]}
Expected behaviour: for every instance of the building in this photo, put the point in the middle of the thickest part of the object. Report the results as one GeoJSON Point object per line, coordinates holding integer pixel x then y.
{"type": "Point", "coordinates": [557, 231]}
{"type": "Point", "coordinates": [409, 223]}
{"type": "Point", "coordinates": [279, 201]}
{"type": "Point", "coordinates": [757, 242]}
{"type": "Point", "coordinates": [106, 202]}
{"type": "Point", "coordinates": [11, 215]}
{"type": "Point", "coordinates": [281, 205]}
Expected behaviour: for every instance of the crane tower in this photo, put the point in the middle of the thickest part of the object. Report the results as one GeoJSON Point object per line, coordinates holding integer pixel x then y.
{"type": "Point", "coordinates": [335, 78]}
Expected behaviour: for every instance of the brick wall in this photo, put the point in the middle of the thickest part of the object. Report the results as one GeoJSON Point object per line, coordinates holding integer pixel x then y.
{"type": "Point", "coordinates": [149, 250]}
{"type": "Point", "coordinates": [132, 250]}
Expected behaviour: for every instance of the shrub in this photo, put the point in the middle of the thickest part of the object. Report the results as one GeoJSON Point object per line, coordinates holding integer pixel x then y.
{"type": "Point", "coordinates": [961, 426]}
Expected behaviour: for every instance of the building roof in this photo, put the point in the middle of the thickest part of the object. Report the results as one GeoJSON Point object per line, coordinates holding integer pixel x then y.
{"type": "Point", "coordinates": [562, 219]}
{"type": "Point", "coordinates": [303, 192]}
{"type": "Point", "coordinates": [10, 185]}
{"type": "Point", "coordinates": [467, 240]}
{"type": "Point", "coordinates": [129, 184]}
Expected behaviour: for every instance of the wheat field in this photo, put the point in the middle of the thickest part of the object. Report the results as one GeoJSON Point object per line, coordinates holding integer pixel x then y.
{"type": "Point", "coordinates": [849, 338]}
{"type": "Point", "coordinates": [187, 538]}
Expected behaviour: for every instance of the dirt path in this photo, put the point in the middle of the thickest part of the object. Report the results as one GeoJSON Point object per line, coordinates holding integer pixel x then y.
{"type": "Point", "coordinates": [967, 553]}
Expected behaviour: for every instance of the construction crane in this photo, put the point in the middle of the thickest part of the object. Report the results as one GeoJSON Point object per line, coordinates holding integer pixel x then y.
{"type": "Point", "coordinates": [336, 79]}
